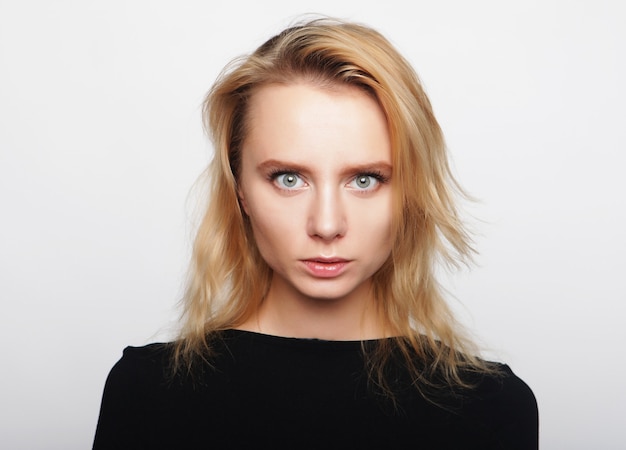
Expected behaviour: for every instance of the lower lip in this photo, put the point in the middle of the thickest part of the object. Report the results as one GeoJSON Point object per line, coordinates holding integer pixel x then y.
{"type": "Point", "coordinates": [325, 270]}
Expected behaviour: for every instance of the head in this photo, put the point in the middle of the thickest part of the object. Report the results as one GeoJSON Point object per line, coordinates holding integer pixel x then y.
{"type": "Point", "coordinates": [425, 227]}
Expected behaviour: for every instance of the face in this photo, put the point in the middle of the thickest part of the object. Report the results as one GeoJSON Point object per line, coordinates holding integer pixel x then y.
{"type": "Point", "coordinates": [315, 181]}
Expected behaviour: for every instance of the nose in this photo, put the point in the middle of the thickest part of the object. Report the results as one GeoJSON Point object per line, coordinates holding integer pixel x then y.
{"type": "Point", "coordinates": [327, 216]}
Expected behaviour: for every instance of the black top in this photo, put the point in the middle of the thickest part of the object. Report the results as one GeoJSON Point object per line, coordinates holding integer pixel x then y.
{"type": "Point", "coordinates": [276, 392]}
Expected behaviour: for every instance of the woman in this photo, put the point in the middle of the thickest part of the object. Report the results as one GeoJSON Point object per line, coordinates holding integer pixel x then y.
{"type": "Point", "coordinates": [312, 317]}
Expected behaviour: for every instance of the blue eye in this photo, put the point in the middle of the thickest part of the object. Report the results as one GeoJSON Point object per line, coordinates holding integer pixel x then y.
{"type": "Point", "coordinates": [288, 180]}
{"type": "Point", "coordinates": [365, 182]}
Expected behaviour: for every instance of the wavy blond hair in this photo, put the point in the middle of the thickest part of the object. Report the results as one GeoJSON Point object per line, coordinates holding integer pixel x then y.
{"type": "Point", "coordinates": [228, 277]}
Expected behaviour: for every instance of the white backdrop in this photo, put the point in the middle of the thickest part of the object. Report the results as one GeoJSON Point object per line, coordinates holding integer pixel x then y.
{"type": "Point", "coordinates": [101, 142]}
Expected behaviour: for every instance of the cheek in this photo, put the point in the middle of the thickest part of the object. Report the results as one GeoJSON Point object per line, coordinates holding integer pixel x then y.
{"type": "Point", "coordinates": [274, 227]}
{"type": "Point", "coordinates": [373, 219]}
{"type": "Point", "coordinates": [380, 233]}
{"type": "Point", "coordinates": [380, 237]}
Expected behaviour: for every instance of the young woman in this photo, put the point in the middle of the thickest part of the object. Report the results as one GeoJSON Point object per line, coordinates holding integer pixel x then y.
{"type": "Point", "coordinates": [312, 317]}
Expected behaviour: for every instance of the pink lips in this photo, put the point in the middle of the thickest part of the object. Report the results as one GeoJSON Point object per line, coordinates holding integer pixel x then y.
{"type": "Point", "coordinates": [325, 267]}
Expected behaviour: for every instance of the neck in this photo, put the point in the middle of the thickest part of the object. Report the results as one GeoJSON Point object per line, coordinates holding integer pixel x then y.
{"type": "Point", "coordinates": [284, 312]}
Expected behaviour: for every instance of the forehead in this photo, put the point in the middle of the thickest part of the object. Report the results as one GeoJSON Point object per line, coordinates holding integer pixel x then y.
{"type": "Point", "coordinates": [305, 121]}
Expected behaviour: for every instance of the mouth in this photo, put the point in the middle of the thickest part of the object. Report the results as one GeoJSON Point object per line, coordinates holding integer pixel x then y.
{"type": "Point", "coordinates": [320, 267]}
{"type": "Point", "coordinates": [323, 260]}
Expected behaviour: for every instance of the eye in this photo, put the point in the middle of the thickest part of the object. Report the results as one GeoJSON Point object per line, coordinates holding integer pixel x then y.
{"type": "Point", "coordinates": [365, 182]}
{"type": "Point", "coordinates": [288, 180]}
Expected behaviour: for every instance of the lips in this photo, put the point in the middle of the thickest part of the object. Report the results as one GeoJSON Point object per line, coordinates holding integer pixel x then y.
{"type": "Point", "coordinates": [325, 267]}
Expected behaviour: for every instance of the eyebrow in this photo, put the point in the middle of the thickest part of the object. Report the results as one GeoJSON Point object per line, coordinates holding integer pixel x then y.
{"type": "Point", "coordinates": [357, 168]}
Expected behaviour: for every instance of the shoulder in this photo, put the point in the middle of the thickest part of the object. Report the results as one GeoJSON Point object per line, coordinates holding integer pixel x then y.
{"type": "Point", "coordinates": [134, 378]}
{"type": "Point", "coordinates": [126, 397]}
{"type": "Point", "coordinates": [145, 356]}
{"type": "Point", "coordinates": [506, 406]}
{"type": "Point", "coordinates": [150, 362]}
{"type": "Point", "coordinates": [505, 385]}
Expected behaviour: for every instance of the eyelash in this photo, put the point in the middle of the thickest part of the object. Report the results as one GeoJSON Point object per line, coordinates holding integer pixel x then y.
{"type": "Point", "coordinates": [275, 173]}
{"type": "Point", "coordinates": [377, 175]}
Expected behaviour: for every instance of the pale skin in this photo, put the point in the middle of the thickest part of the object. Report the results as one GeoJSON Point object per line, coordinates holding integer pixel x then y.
{"type": "Point", "coordinates": [315, 181]}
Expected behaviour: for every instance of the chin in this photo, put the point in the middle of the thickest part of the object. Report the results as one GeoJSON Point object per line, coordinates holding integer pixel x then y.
{"type": "Point", "coordinates": [328, 293]}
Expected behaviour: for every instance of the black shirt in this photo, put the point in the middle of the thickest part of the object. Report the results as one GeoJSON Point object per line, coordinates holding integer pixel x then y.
{"type": "Point", "coordinates": [267, 391]}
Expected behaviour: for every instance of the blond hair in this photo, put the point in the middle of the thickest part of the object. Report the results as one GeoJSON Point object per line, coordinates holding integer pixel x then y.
{"type": "Point", "coordinates": [229, 278]}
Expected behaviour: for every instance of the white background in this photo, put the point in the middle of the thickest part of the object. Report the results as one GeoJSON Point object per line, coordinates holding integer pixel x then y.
{"type": "Point", "coordinates": [101, 142]}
